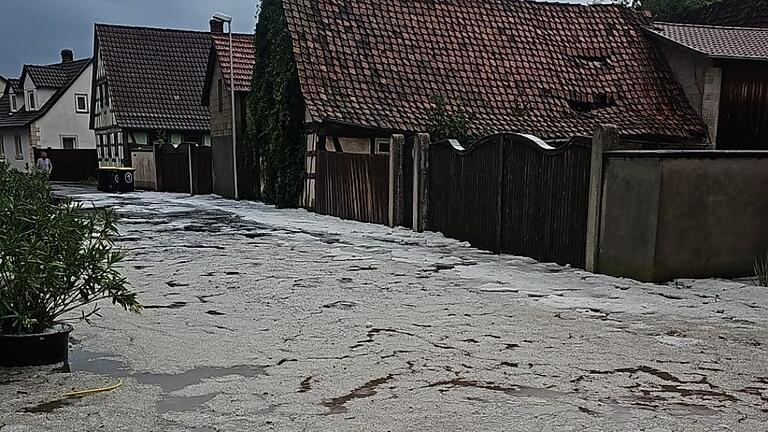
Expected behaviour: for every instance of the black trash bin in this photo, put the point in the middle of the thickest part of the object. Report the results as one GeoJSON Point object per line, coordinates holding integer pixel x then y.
{"type": "Point", "coordinates": [116, 179]}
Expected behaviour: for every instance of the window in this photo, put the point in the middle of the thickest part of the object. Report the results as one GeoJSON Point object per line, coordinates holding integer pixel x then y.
{"type": "Point", "coordinates": [221, 95]}
{"type": "Point", "coordinates": [2, 148]}
{"type": "Point", "coordinates": [14, 103]}
{"type": "Point", "coordinates": [19, 149]}
{"type": "Point", "coordinates": [31, 102]}
{"type": "Point", "coordinates": [81, 103]}
{"type": "Point", "coordinates": [382, 145]}
{"type": "Point", "coordinates": [69, 143]}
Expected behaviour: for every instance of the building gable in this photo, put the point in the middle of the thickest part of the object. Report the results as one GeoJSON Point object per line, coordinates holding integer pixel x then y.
{"type": "Point", "coordinates": [154, 76]}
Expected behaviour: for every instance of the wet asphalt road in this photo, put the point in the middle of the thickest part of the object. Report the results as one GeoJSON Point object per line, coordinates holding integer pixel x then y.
{"type": "Point", "coordinates": [264, 319]}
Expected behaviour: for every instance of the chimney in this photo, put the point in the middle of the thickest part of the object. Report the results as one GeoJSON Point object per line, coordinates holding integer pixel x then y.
{"type": "Point", "coordinates": [217, 26]}
{"type": "Point", "coordinates": [67, 55]}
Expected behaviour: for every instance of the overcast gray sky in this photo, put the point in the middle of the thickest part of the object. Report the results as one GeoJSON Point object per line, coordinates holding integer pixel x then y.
{"type": "Point", "coordinates": [35, 31]}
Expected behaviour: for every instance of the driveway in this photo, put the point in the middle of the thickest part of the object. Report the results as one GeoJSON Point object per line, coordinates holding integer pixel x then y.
{"type": "Point", "coordinates": [283, 320]}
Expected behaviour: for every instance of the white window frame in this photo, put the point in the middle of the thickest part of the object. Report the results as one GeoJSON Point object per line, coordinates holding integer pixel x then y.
{"type": "Point", "coordinates": [31, 100]}
{"type": "Point", "coordinates": [18, 147]}
{"type": "Point", "coordinates": [14, 102]}
{"type": "Point", "coordinates": [84, 97]}
{"type": "Point", "coordinates": [377, 143]}
{"type": "Point", "coordinates": [63, 137]}
{"type": "Point", "coordinates": [2, 147]}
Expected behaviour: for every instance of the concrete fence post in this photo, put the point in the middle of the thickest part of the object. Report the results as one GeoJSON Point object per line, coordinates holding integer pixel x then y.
{"type": "Point", "coordinates": [421, 182]}
{"type": "Point", "coordinates": [606, 138]}
{"type": "Point", "coordinates": [396, 181]}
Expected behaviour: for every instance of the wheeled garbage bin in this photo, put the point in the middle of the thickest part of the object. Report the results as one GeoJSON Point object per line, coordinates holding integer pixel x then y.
{"type": "Point", "coordinates": [113, 179]}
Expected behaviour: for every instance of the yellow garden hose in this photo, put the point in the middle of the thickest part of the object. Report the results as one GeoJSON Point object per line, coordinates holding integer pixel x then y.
{"type": "Point", "coordinates": [89, 392]}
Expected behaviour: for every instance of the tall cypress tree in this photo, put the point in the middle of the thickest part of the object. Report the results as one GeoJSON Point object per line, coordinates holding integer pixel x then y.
{"type": "Point", "coordinates": [276, 109]}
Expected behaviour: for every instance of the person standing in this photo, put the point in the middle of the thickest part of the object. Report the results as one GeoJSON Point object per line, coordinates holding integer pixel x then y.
{"type": "Point", "coordinates": [44, 164]}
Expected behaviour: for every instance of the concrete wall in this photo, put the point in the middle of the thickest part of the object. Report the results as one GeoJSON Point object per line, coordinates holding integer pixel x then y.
{"type": "Point", "coordinates": [700, 80]}
{"type": "Point", "coordinates": [668, 215]}
{"type": "Point", "coordinates": [63, 120]}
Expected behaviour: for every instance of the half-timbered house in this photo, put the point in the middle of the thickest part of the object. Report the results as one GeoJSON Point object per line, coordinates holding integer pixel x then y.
{"type": "Point", "coordinates": [147, 84]}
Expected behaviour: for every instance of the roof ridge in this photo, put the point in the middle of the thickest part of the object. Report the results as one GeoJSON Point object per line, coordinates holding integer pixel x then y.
{"type": "Point", "coordinates": [710, 26]}
{"type": "Point", "coordinates": [82, 60]}
{"type": "Point", "coordinates": [570, 5]}
{"type": "Point", "coordinates": [151, 28]}
{"type": "Point", "coordinates": [170, 29]}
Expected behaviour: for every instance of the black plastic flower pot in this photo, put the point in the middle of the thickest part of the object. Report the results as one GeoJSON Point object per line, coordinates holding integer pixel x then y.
{"type": "Point", "coordinates": [46, 348]}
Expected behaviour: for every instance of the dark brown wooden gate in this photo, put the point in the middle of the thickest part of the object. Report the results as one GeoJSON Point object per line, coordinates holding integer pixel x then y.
{"type": "Point", "coordinates": [174, 170]}
{"type": "Point", "coordinates": [353, 186]}
{"type": "Point", "coordinates": [71, 164]}
{"type": "Point", "coordinates": [512, 194]}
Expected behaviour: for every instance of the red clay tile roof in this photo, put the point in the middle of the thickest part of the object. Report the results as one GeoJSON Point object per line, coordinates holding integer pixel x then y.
{"type": "Point", "coordinates": [244, 58]}
{"type": "Point", "coordinates": [720, 42]}
{"type": "Point", "coordinates": [155, 76]}
{"type": "Point", "coordinates": [737, 13]}
{"type": "Point", "coordinates": [516, 65]}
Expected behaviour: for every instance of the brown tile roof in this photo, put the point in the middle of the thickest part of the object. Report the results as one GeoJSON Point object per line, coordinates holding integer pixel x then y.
{"type": "Point", "coordinates": [737, 13]}
{"type": "Point", "coordinates": [516, 65]}
{"type": "Point", "coordinates": [55, 75]}
{"type": "Point", "coordinates": [59, 76]}
{"type": "Point", "coordinates": [244, 58]}
{"type": "Point", "coordinates": [720, 42]}
{"type": "Point", "coordinates": [155, 76]}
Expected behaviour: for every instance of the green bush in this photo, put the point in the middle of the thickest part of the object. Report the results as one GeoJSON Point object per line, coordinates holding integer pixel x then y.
{"type": "Point", "coordinates": [761, 271]}
{"type": "Point", "coordinates": [54, 258]}
{"type": "Point", "coordinates": [445, 122]}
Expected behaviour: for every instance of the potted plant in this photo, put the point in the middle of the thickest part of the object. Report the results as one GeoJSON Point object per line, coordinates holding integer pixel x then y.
{"type": "Point", "coordinates": [55, 258]}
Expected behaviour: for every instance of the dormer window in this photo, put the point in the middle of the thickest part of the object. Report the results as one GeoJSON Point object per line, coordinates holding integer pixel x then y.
{"type": "Point", "coordinates": [14, 103]}
{"type": "Point", "coordinates": [31, 102]}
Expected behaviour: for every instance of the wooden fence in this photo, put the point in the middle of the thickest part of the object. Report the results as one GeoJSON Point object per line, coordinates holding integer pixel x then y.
{"type": "Point", "coordinates": [71, 164]}
{"type": "Point", "coordinates": [513, 194]}
{"type": "Point", "coordinates": [174, 168]}
{"type": "Point", "coordinates": [353, 186]}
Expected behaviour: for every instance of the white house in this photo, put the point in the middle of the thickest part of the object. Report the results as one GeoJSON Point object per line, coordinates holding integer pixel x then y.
{"type": "Point", "coordinates": [47, 107]}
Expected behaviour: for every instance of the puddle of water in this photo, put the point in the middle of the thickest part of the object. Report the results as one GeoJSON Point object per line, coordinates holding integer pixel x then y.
{"type": "Point", "coordinates": [183, 403]}
{"type": "Point", "coordinates": [336, 405]}
{"type": "Point", "coordinates": [99, 364]}
{"type": "Point", "coordinates": [103, 365]}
